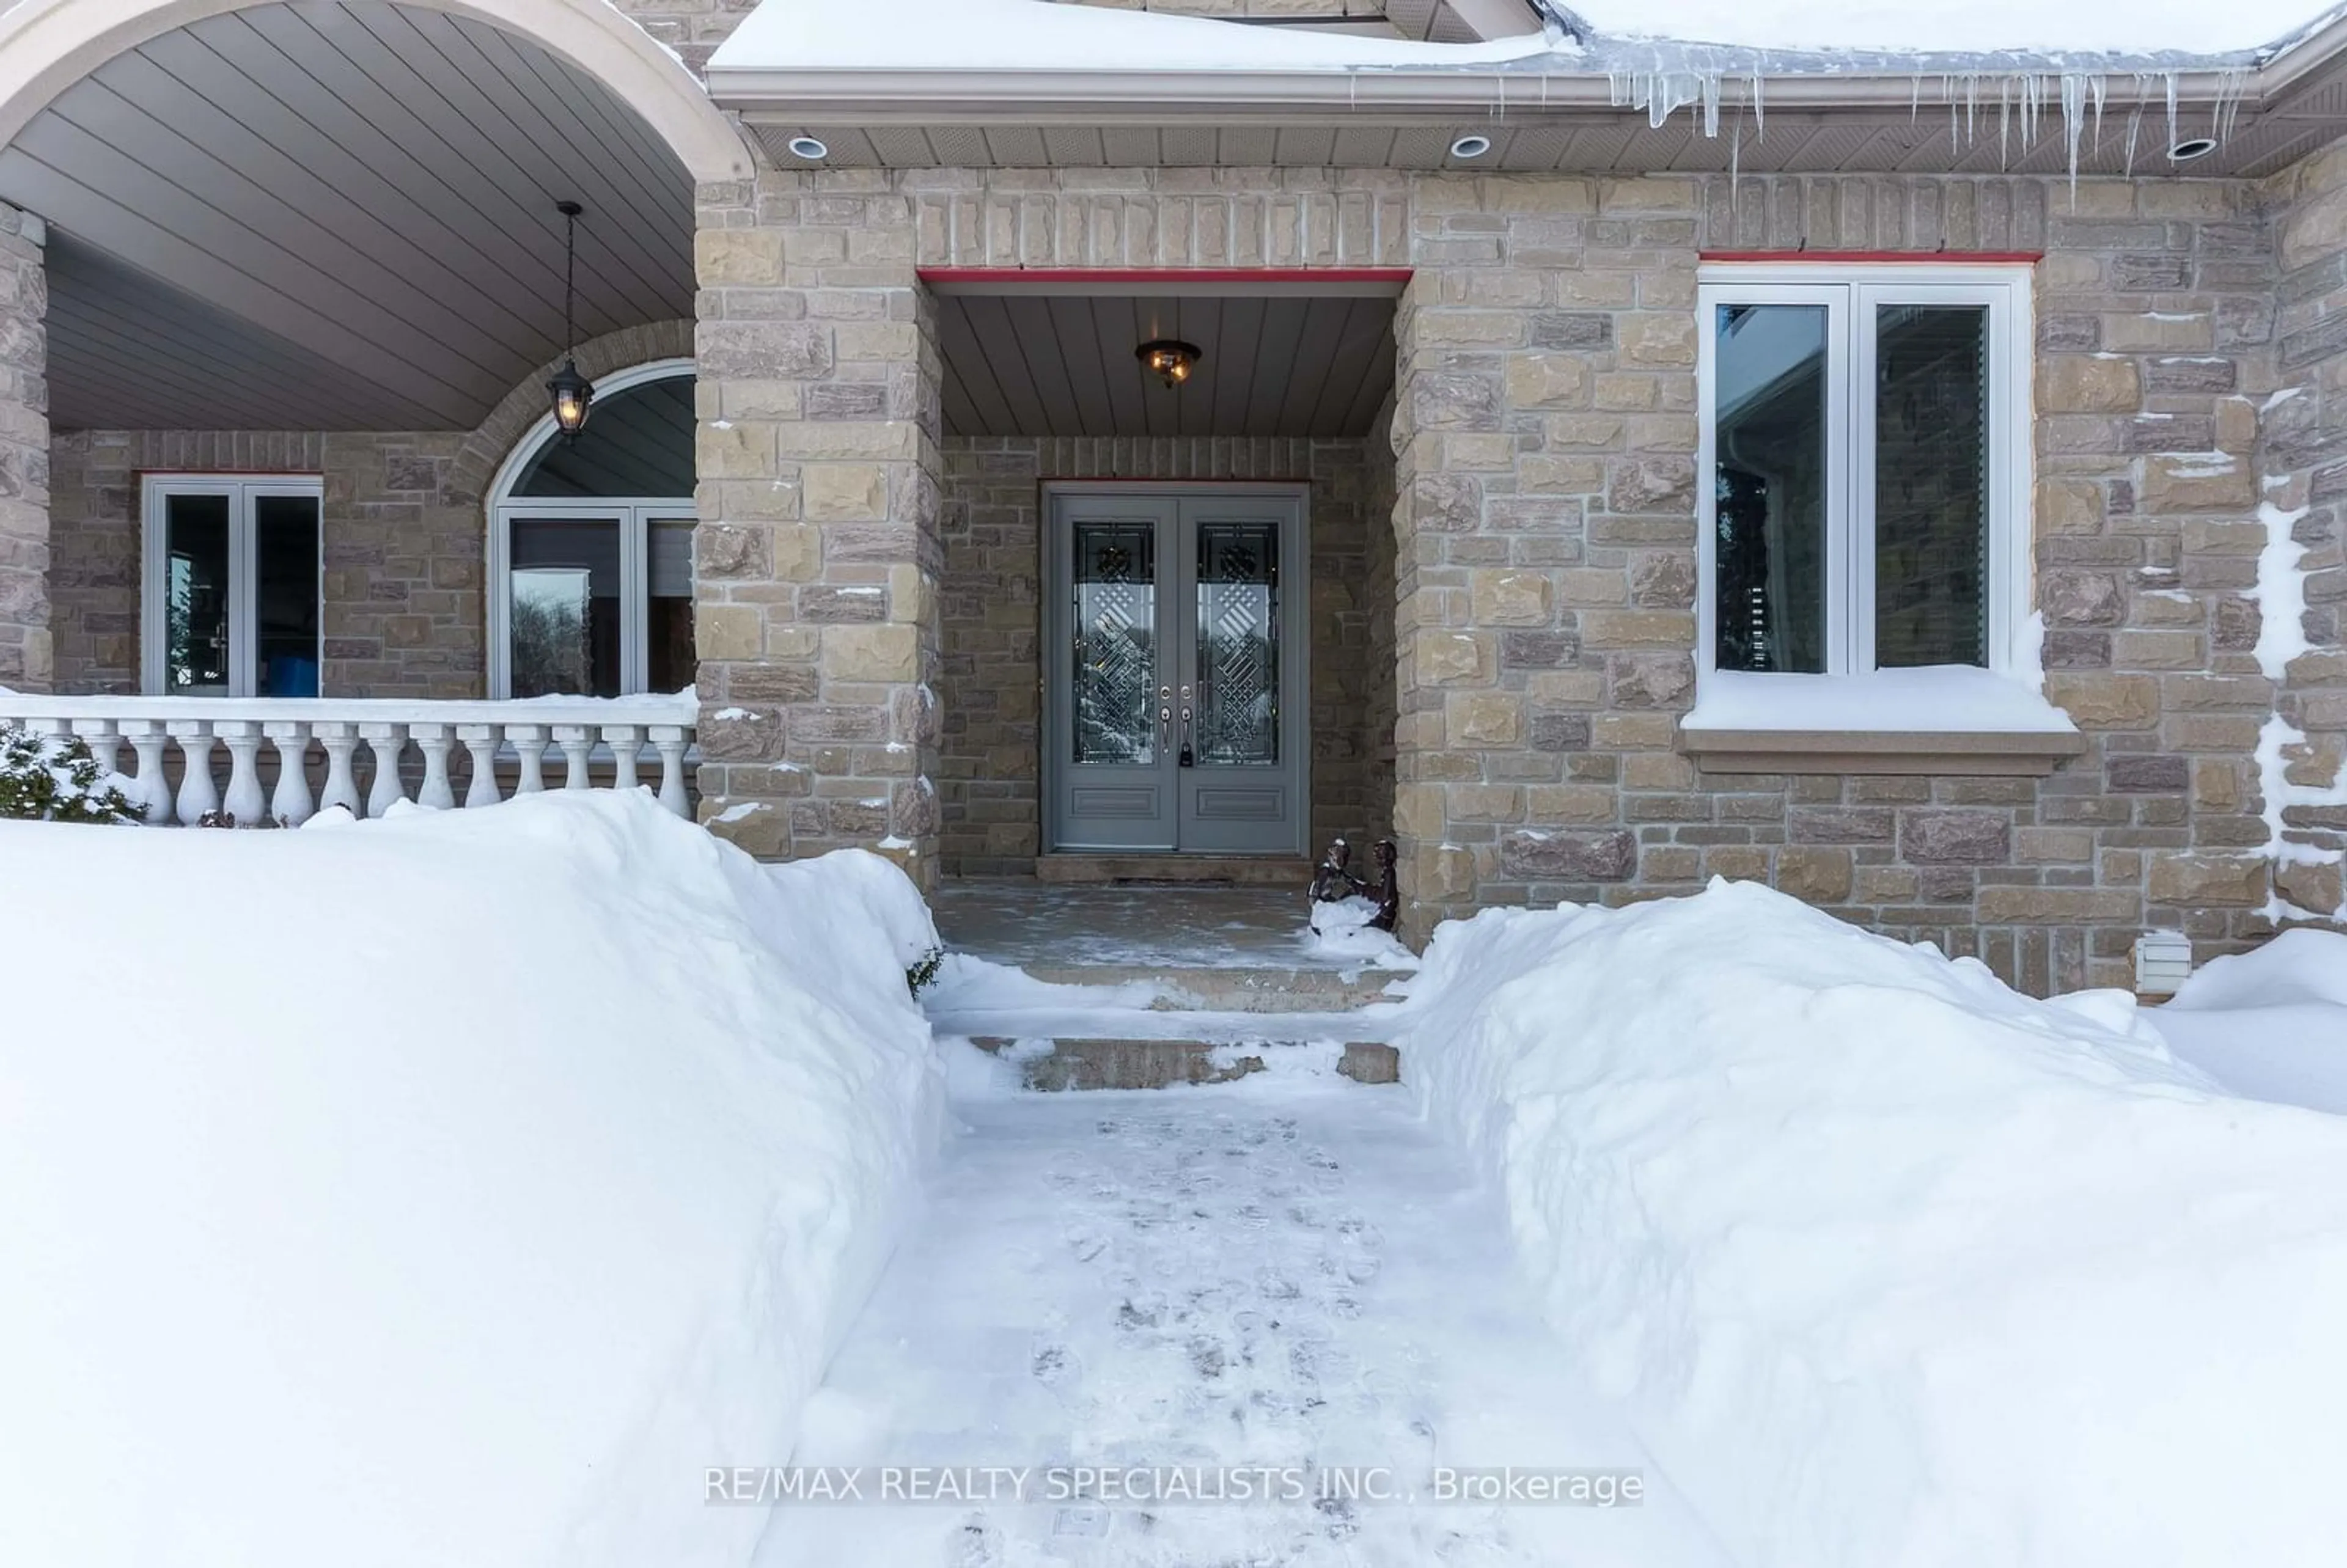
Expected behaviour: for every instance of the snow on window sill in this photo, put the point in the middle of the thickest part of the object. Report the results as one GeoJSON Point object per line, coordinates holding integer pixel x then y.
{"type": "Point", "coordinates": [1941, 720]}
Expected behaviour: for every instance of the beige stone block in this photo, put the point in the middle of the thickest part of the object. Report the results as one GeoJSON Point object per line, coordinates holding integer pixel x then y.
{"type": "Point", "coordinates": [1543, 474]}
{"type": "Point", "coordinates": [2236, 425]}
{"type": "Point", "coordinates": [1576, 804]}
{"type": "Point", "coordinates": [2001, 905]}
{"type": "Point", "coordinates": [724, 632]}
{"type": "Point", "coordinates": [874, 440]}
{"type": "Point", "coordinates": [2159, 651]}
{"type": "Point", "coordinates": [1486, 803]}
{"type": "Point", "coordinates": [1473, 329]}
{"type": "Point", "coordinates": [797, 552]}
{"type": "Point", "coordinates": [1475, 453]}
{"type": "Point", "coordinates": [912, 595]}
{"type": "Point", "coordinates": [793, 644]}
{"type": "Point", "coordinates": [1637, 628]}
{"type": "Point", "coordinates": [1886, 884]}
{"type": "Point", "coordinates": [1544, 380]}
{"type": "Point", "coordinates": [1502, 598]}
{"type": "Point", "coordinates": [887, 653]}
{"type": "Point", "coordinates": [1595, 585]}
{"type": "Point", "coordinates": [2195, 881]}
{"type": "Point", "coordinates": [2312, 888]}
{"type": "Point", "coordinates": [734, 258]}
{"type": "Point", "coordinates": [1649, 193]}
{"type": "Point", "coordinates": [1483, 719]}
{"type": "Point", "coordinates": [2148, 331]}
{"type": "Point", "coordinates": [2089, 383]}
{"type": "Point", "coordinates": [1422, 811]}
{"type": "Point", "coordinates": [2315, 230]}
{"type": "Point", "coordinates": [2216, 784]}
{"type": "Point", "coordinates": [2095, 700]}
{"type": "Point", "coordinates": [1657, 338]}
{"type": "Point", "coordinates": [2054, 846]}
{"type": "Point", "coordinates": [845, 492]}
{"type": "Point", "coordinates": [2069, 506]}
{"type": "Point", "coordinates": [1542, 193]}
{"type": "Point", "coordinates": [1814, 876]}
{"type": "Point", "coordinates": [1737, 862]}
{"type": "Point", "coordinates": [758, 828]}
{"type": "Point", "coordinates": [893, 340]}
{"type": "Point", "coordinates": [1657, 771]}
{"type": "Point", "coordinates": [1567, 688]}
{"type": "Point", "coordinates": [1628, 390]}
{"type": "Point", "coordinates": [1632, 732]}
{"type": "Point", "coordinates": [1442, 873]}
{"type": "Point", "coordinates": [1608, 291]}
{"type": "Point", "coordinates": [735, 451]}
{"type": "Point", "coordinates": [2197, 482]}
{"type": "Point", "coordinates": [1452, 659]}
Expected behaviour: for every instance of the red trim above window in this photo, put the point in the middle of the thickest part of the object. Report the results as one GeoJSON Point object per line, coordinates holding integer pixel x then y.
{"type": "Point", "coordinates": [1879, 257]}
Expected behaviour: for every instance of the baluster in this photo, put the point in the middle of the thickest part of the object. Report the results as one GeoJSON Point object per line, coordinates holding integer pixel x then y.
{"type": "Point", "coordinates": [105, 745]}
{"type": "Point", "coordinates": [672, 740]}
{"type": "Point", "coordinates": [146, 742]}
{"type": "Point", "coordinates": [627, 742]}
{"type": "Point", "coordinates": [481, 744]}
{"type": "Point", "coordinates": [245, 801]}
{"type": "Point", "coordinates": [576, 741]}
{"type": "Point", "coordinates": [529, 742]}
{"type": "Point", "coordinates": [385, 742]}
{"type": "Point", "coordinates": [198, 794]}
{"type": "Point", "coordinates": [432, 740]}
{"type": "Point", "coordinates": [340, 737]}
{"type": "Point", "coordinates": [291, 805]}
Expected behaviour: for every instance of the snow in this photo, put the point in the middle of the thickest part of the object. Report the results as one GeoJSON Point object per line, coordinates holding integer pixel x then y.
{"type": "Point", "coordinates": [444, 1189]}
{"type": "Point", "coordinates": [1979, 27]}
{"type": "Point", "coordinates": [1342, 930]}
{"type": "Point", "coordinates": [1890, 1264]}
{"type": "Point", "coordinates": [2270, 1023]}
{"type": "Point", "coordinates": [2280, 591]}
{"type": "Point", "coordinates": [1948, 698]}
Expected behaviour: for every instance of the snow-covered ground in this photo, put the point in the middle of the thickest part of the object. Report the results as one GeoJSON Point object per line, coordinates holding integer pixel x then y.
{"type": "Point", "coordinates": [450, 1189]}
{"type": "Point", "coordinates": [2271, 1024]}
{"type": "Point", "coordinates": [1292, 1274]}
{"type": "Point", "coordinates": [1890, 1264]}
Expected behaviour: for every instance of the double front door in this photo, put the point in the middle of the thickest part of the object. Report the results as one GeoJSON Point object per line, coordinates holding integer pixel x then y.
{"type": "Point", "coordinates": [1174, 669]}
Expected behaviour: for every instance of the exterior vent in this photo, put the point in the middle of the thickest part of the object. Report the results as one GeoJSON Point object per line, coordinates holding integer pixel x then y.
{"type": "Point", "coordinates": [2162, 960]}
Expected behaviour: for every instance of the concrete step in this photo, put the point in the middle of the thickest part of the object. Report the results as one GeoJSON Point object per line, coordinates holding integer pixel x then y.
{"type": "Point", "coordinates": [1227, 870]}
{"type": "Point", "coordinates": [1161, 1064]}
{"type": "Point", "coordinates": [1204, 987]}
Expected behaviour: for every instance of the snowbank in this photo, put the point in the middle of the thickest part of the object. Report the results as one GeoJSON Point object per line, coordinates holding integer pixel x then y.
{"type": "Point", "coordinates": [1892, 1266]}
{"type": "Point", "coordinates": [451, 1189]}
{"type": "Point", "coordinates": [2271, 1024]}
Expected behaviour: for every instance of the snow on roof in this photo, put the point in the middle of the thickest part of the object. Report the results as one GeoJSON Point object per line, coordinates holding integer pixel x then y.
{"type": "Point", "coordinates": [1598, 36]}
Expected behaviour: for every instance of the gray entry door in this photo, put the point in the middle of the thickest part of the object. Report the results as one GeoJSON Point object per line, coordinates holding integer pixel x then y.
{"type": "Point", "coordinates": [1174, 670]}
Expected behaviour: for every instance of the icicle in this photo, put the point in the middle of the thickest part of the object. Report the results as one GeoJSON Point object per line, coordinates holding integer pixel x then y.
{"type": "Point", "coordinates": [2172, 137]}
{"type": "Point", "coordinates": [1759, 115]}
{"type": "Point", "coordinates": [2135, 126]}
{"type": "Point", "coordinates": [2004, 121]}
{"type": "Point", "coordinates": [2073, 123]}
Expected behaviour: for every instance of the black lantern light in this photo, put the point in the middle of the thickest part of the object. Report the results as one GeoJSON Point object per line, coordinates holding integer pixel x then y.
{"type": "Point", "coordinates": [572, 393]}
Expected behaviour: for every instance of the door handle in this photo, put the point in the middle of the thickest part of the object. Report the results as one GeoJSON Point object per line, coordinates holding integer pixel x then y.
{"type": "Point", "coordinates": [1164, 718]}
{"type": "Point", "coordinates": [1188, 758]}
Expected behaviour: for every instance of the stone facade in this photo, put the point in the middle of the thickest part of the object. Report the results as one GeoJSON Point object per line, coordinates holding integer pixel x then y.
{"type": "Point", "coordinates": [990, 768]}
{"type": "Point", "coordinates": [26, 660]}
{"type": "Point", "coordinates": [405, 538]}
{"type": "Point", "coordinates": [817, 558]}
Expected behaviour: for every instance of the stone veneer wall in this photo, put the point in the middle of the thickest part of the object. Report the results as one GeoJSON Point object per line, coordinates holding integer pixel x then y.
{"type": "Point", "coordinates": [990, 768]}
{"type": "Point", "coordinates": [817, 561]}
{"type": "Point", "coordinates": [2301, 772]}
{"type": "Point", "coordinates": [26, 656]}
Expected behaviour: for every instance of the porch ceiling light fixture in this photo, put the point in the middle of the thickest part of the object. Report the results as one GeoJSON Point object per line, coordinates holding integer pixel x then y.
{"type": "Point", "coordinates": [1169, 359]}
{"type": "Point", "coordinates": [1470, 146]}
{"type": "Point", "coordinates": [572, 393]}
{"type": "Point", "coordinates": [810, 148]}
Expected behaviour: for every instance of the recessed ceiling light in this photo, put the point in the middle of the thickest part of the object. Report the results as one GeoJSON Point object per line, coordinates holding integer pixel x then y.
{"type": "Point", "coordinates": [1470, 146]}
{"type": "Point", "coordinates": [2185, 151]}
{"type": "Point", "coordinates": [808, 148]}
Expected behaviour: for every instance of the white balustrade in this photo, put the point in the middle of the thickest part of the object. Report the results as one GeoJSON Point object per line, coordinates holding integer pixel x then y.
{"type": "Point", "coordinates": [196, 756]}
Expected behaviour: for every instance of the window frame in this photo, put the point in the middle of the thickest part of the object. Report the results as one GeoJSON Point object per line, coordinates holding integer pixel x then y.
{"type": "Point", "coordinates": [1851, 294]}
{"type": "Point", "coordinates": [635, 515]}
{"type": "Point", "coordinates": [242, 491]}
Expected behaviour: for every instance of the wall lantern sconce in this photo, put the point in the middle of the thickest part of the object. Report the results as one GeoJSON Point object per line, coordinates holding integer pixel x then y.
{"type": "Point", "coordinates": [572, 393]}
{"type": "Point", "coordinates": [1169, 360]}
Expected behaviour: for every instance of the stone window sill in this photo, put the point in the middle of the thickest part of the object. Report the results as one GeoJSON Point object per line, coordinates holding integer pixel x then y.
{"type": "Point", "coordinates": [1946, 719]}
{"type": "Point", "coordinates": [2008, 754]}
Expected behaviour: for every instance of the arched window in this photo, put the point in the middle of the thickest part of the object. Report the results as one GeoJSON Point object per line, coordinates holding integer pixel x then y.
{"type": "Point", "coordinates": [590, 548]}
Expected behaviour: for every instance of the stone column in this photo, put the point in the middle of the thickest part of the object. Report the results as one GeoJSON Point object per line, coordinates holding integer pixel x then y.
{"type": "Point", "coordinates": [26, 660]}
{"type": "Point", "coordinates": [818, 551]}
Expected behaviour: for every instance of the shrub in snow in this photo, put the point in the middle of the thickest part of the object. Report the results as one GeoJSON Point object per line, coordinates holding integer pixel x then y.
{"type": "Point", "coordinates": [1890, 1266]}
{"type": "Point", "coordinates": [456, 1197]}
{"type": "Point", "coordinates": [922, 973]}
{"type": "Point", "coordinates": [53, 778]}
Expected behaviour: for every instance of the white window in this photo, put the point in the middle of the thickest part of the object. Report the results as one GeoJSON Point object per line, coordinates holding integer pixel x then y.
{"type": "Point", "coordinates": [590, 548]}
{"type": "Point", "coordinates": [1865, 438]}
{"type": "Point", "coordinates": [230, 596]}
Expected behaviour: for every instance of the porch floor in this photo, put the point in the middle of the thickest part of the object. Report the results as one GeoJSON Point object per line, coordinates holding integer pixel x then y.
{"type": "Point", "coordinates": [1186, 926]}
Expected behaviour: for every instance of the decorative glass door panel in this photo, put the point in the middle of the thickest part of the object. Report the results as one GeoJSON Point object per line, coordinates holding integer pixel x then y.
{"type": "Point", "coordinates": [1172, 654]}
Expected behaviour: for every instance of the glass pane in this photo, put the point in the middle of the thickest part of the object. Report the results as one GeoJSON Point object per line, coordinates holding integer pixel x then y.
{"type": "Point", "coordinates": [1238, 643]}
{"type": "Point", "coordinates": [1116, 642]}
{"type": "Point", "coordinates": [285, 595]}
{"type": "Point", "coordinates": [637, 444]}
{"type": "Point", "coordinates": [1931, 485]}
{"type": "Point", "coordinates": [564, 614]}
{"type": "Point", "coordinates": [670, 662]}
{"type": "Point", "coordinates": [1768, 580]}
{"type": "Point", "coordinates": [195, 617]}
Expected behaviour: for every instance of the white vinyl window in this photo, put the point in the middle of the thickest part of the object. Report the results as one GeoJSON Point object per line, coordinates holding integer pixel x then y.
{"type": "Point", "coordinates": [1865, 449]}
{"type": "Point", "coordinates": [230, 592]}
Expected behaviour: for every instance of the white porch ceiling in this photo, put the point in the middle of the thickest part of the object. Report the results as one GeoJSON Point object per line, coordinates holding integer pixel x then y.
{"type": "Point", "coordinates": [1029, 364]}
{"type": "Point", "coordinates": [339, 214]}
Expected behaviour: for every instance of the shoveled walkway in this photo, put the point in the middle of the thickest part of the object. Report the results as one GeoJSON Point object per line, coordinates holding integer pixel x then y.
{"type": "Point", "coordinates": [1292, 1271]}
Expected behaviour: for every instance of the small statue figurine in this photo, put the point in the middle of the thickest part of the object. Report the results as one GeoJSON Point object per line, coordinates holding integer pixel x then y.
{"type": "Point", "coordinates": [1335, 882]}
{"type": "Point", "coordinates": [1388, 888]}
